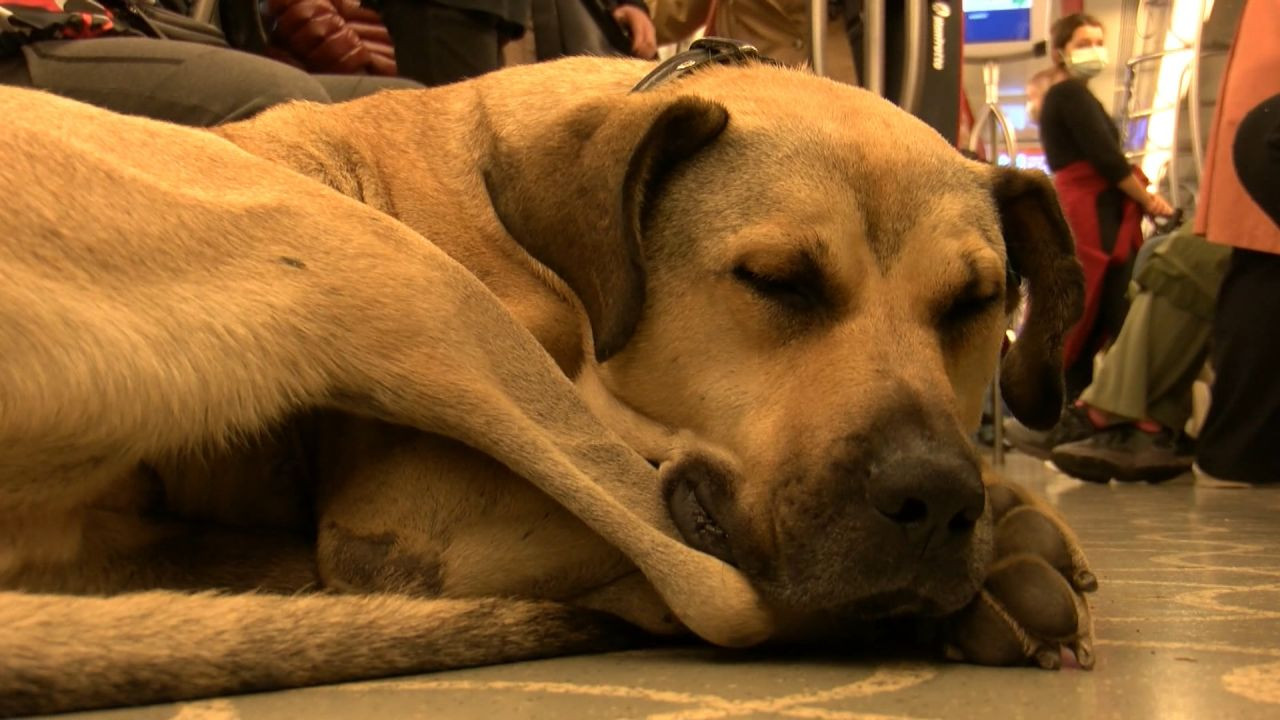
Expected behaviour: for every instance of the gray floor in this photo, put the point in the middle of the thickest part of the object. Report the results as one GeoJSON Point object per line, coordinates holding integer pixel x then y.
{"type": "Point", "coordinates": [1188, 622]}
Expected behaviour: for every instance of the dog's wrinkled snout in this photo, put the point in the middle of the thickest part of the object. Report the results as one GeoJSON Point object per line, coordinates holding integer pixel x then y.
{"type": "Point", "coordinates": [932, 494]}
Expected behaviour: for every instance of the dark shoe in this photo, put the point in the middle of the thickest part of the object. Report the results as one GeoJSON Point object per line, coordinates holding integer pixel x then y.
{"type": "Point", "coordinates": [1127, 454]}
{"type": "Point", "coordinates": [1073, 425]}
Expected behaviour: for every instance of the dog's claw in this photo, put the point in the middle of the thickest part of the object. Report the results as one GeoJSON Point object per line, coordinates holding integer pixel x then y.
{"type": "Point", "coordinates": [1084, 654]}
{"type": "Point", "coordinates": [1086, 581]}
{"type": "Point", "coordinates": [1049, 658]}
{"type": "Point", "coordinates": [1032, 606]}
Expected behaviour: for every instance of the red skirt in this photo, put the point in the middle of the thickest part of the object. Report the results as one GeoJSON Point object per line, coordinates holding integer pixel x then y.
{"type": "Point", "coordinates": [1079, 187]}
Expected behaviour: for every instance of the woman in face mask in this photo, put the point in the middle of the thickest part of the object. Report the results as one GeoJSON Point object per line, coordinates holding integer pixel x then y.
{"type": "Point", "coordinates": [1102, 196]}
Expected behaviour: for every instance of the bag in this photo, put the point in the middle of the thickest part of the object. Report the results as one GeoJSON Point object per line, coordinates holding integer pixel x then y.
{"type": "Point", "coordinates": [24, 21]}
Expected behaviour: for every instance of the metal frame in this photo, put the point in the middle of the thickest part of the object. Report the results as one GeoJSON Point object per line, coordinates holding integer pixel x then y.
{"type": "Point", "coordinates": [872, 72]}
{"type": "Point", "coordinates": [1188, 87]}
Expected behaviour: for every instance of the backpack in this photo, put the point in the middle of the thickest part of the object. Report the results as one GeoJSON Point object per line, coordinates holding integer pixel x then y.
{"type": "Point", "coordinates": [24, 21]}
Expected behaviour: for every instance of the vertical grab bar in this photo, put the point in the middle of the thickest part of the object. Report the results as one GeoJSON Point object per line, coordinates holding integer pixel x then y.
{"type": "Point", "coordinates": [873, 46]}
{"type": "Point", "coordinates": [991, 113]}
{"type": "Point", "coordinates": [1175, 182]}
{"type": "Point", "coordinates": [202, 10]}
{"type": "Point", "coordinates": [1193, 95]}
{"type": "Point", "coordinates": [818, 36]}
{"type": "Point", "coordinates": [914, 24]}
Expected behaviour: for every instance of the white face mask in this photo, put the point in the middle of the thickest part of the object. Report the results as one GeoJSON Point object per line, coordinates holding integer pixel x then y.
{"type": "Point", "coordinates": [1087, 62]}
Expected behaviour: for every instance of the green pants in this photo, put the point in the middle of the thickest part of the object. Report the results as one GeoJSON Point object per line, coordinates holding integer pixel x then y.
{"type": "Point", "coordinates": [1149, 369]}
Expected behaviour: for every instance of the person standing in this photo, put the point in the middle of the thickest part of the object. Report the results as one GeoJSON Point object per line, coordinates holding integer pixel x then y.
{"type": "Point", "coordinates": [1239, 207]}
{"type": "Point", "coordinates": [1103, 199]}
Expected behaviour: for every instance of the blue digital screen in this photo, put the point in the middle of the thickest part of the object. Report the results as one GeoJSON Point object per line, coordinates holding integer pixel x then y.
{"type": "Point", "coordinates": [1016, 115]}
{"type": "Point", "coordinates": [1136, 137]}
{"type": "Point", "coordinates": [997, 21]}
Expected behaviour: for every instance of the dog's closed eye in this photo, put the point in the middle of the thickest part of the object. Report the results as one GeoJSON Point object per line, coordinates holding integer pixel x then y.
{"type": "Point", "coordinates": [968, 306]}
{"type": "Point", "coordinates": [797, 287]}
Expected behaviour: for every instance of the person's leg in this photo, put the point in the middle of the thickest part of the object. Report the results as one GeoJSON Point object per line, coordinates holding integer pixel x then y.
{"type": "Point", "coordinates": [1241, 436]}
{"type": "Point", "coordinates": [186, 83]}
{"type": "Point", "coordinates": [1148, 371]}
{"type": "Point", "coordinates": [1142, 394]}
{"type": "Point", "coordinates": [1079, 374]}
{"type": "Point", "coordinates": [437, 45]}
{"type": "Point", "coordinates": [349, 87]}
{"type": "Point", "coordinates": [13, 70]}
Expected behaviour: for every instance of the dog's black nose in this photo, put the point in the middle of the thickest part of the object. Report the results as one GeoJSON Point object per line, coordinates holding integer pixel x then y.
{"type": "Point", "coordinates": [934, 495]}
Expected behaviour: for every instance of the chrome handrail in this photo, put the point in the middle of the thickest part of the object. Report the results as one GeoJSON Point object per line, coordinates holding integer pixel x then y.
{"type": "Point", "coordinates": [203, 10]}
{"type": "Point", "coordinates": [873, 29]}
{"type": "Point", "coordinates": [1150, 111]}
{"type": "Point", "coordinates": [914, 21]}
{"type": "Point", "coordinates": [1150, 57]}
{"type": "Point", "coordinates": [991, 113]}
{"type": "Point", "coordinates": [1174, 180]}
{"type": "Point", "coordinates": [1193, 96]}
{"type": "Point", "coordinates": [818, 36]}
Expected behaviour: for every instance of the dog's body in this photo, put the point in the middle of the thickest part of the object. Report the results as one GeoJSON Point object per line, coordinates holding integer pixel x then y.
{"type": "Point", "coordinates": [228, 376]}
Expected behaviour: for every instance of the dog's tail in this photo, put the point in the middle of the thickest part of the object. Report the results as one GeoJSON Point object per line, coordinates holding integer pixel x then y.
{"type": "Point", "coordinates": [60, 653]}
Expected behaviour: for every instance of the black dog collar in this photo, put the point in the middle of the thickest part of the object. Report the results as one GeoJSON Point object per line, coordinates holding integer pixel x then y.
{"type": "Point", "coordinates": [702, 53]}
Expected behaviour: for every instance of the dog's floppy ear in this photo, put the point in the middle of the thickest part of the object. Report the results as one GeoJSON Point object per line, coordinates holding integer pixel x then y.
{"type": "Point", "coordinates": [573, 195]}
{"type": "Point", "coordinates": [1041, 250]}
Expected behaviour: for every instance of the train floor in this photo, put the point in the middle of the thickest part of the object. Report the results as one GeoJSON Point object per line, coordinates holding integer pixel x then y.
{"type": "Point", "coordinates": [1187, 617]}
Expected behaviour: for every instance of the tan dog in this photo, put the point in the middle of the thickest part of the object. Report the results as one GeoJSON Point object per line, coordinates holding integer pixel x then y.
{"type": "Point", "coordinates": [784, 293]}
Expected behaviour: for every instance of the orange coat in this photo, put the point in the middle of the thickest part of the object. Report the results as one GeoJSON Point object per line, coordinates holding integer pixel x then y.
{"type": "Point", "coordinates": [1226, 214]}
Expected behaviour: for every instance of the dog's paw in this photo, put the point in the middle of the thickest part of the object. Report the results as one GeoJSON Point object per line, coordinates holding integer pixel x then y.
{"type": "Point", "coordinates": [1032, 604]}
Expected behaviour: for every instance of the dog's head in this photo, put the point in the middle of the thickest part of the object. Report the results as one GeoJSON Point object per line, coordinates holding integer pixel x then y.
{"type": "Point", "coordinates": [805, 276]}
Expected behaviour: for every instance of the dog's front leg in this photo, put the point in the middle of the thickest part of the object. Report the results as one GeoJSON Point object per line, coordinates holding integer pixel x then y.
{"type": "Point", "coordinates": [426, 345]}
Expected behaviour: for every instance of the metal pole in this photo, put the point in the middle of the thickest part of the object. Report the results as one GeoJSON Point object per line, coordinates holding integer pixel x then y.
{"type": "Point", "coordinates": [1175, 182]}
{"type": "Point", "coordinates": [997, 409]}
{"type": "Point", "coordinates": [873, 46]}
{"type": "Point", "coordinates": [1193, 95]}
{"type": "Point", "coordinates": [202, 10]}
{"type": "Point", "coordinates": [818, 36]}
{"type": "Point", "coordinates": [975, 135]}
{"type": "Point", "coordinates": [916, 42]}
{"type": "Point", "coordinates": [999, 127]}
{"type": "Point", "coordinates": [1010, 141]}
{"type": "Point", "coordinates": [997, 416]}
